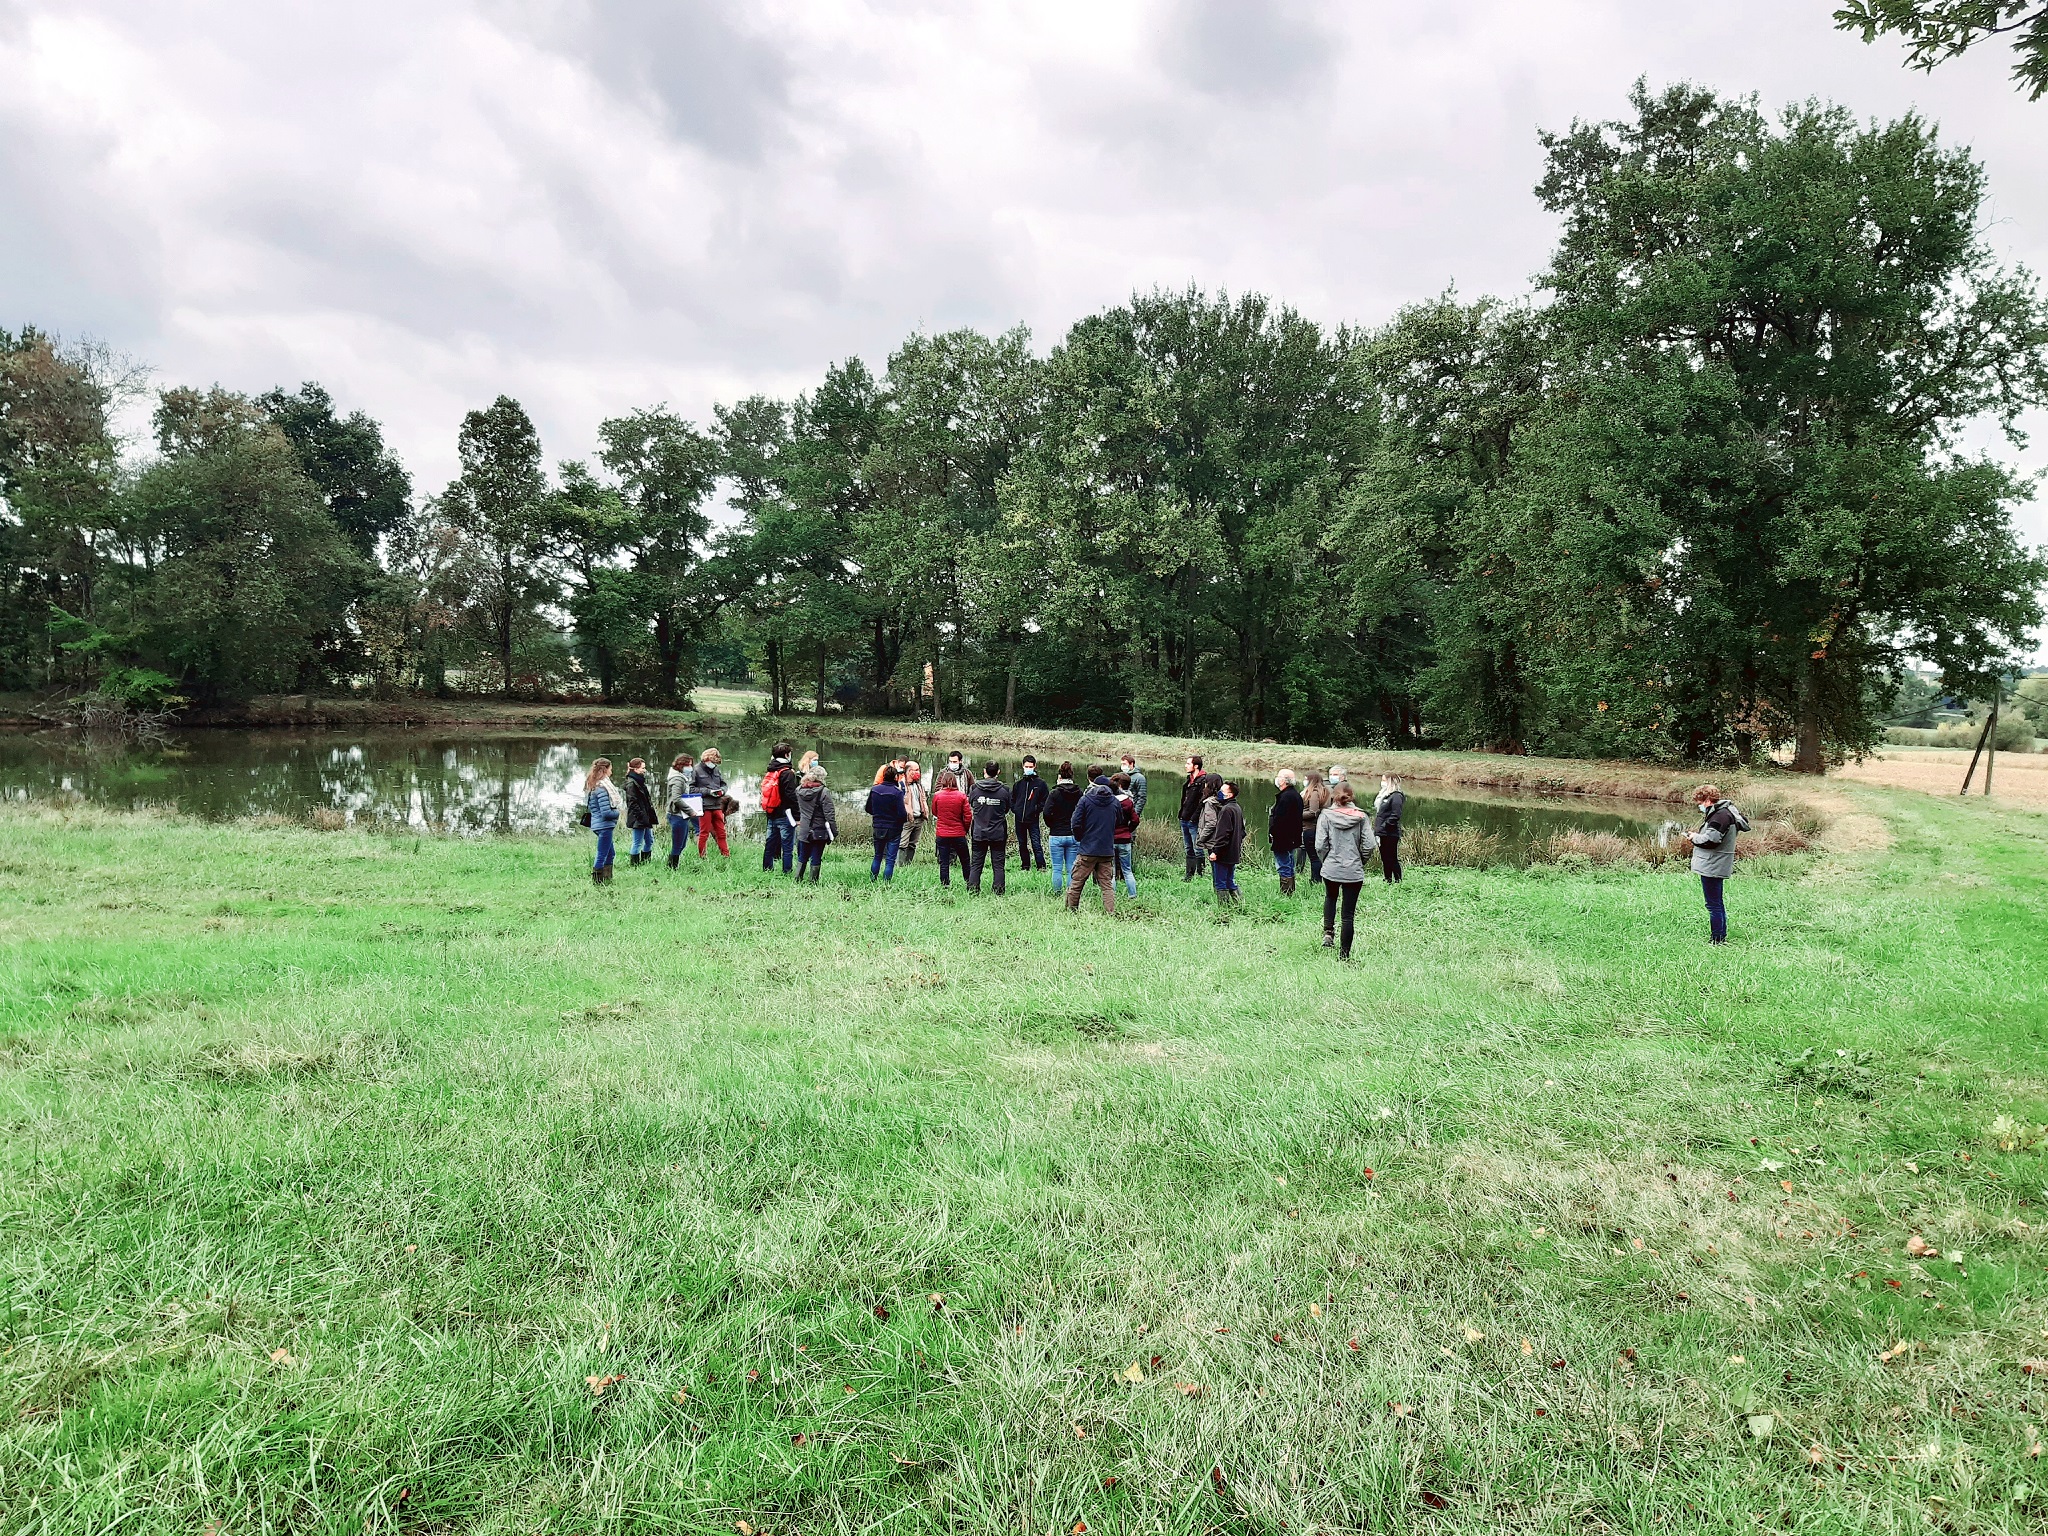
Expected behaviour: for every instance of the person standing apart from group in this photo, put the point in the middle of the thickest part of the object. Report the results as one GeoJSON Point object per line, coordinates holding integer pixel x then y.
{"type": "Point", "coordinates": [707, 783]}
{"type": "Point", "coordinates": [1027, 800]}
{"type": "Point", "coordinates": [1283, 829]}
{"type": "Point", "coordinates": [1387, 807]}
{"type": "Point", "coordinates": [1094, 835]}
{"type": "Point", "coordinates": [885, 815]}
{"type": "Point", "coordinates": [990, 799]}
{"type": "Point", "coordinates": [951, 817]}
{"type": "Point", "coordinates": [1060, 803]}
{"type": "Point", "coordinates": [605, 805]}
{"type": "Point", "coordinates": [1126, 831]}
{"type": "Point", "coordinates": [1713, 853]}
{"type": "Point", "coordinates": [1344, 842]}
{"type": "Point", "coordinates": [682, 820]}
{"type": "Point", "coordinates": [1196, 791]}
{"type": "Point", "coordinates": [817, 821]}
{"type": "Point", "coordinates": [917, 806]}
{"type": "Point", "coordinates": [778, 808]}
{"type": "Point", "coordinates": [639, 810]}
{"type": "Point", "coordinates": [1221, 837]}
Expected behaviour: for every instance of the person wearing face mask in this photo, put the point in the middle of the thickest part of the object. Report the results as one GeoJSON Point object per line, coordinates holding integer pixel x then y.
{"type": "Point", "coordinates": [1138, 783]}
{"type": "Point", "coordinates": [1027, 802]}
{"type": "Point", "coordinates": [1222, 838]}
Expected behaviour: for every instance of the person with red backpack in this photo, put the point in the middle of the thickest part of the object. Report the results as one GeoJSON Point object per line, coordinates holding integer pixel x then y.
{"type": "Point", "coordinates": [778, 808]}
{"type": "Point", "coordinates": [952, 819]}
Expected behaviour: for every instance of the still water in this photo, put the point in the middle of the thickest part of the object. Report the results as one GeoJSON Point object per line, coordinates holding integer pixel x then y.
{"type": "Point", "coordinates": [488, 783]}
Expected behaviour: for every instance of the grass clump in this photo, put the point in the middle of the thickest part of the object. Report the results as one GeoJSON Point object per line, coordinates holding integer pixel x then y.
{"type": "Point", "coordinates": [435, 1189]}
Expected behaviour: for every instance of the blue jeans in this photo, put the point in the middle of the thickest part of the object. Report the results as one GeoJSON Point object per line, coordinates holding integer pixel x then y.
{"type": "Point", "coordinates": [1063, 848]}
{"type": "Point", "coordinates": [1283, 864]}
{"type": "Point", "coordinates": [1224, 877]}
{"type": "Point", "coordinates": [643, 840]}
{"type": "Point", "coordinates": [782, 839]}
{"type": "Point", "coordinates": [1126, 868]}
{"type": "Point", "coordinates": [1187, 837]}
{"type": "Point", "coordinates": [605, 851]}
{"type": "Point", "coordinates": [682, 830]}
{"type": "Point", "coordinates": [1315, 860]}
{"type": "Point", "coordinates": [810, 856]}
{"type": "Point", "coordinates": [1717, 915]}
{"type": "Point", "coordinates": [885, 856]}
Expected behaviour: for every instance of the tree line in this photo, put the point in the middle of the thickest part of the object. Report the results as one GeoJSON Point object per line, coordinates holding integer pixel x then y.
{"type": "Point", "coordinates": [1703, 493]}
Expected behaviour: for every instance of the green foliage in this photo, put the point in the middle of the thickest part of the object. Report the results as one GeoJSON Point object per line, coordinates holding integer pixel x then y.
{"type": "Point", "coordinates": [368, 491]}
{"type": "Point", "coordinates": [1936, 30]}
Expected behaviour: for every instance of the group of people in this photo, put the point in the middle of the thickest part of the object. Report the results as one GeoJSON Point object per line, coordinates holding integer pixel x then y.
{"type": "Point", "coordinates": [1078, 830]}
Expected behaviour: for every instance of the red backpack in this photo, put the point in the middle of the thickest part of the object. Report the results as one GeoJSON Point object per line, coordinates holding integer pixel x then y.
{"type": "Point", "coordinates": [771, 790]}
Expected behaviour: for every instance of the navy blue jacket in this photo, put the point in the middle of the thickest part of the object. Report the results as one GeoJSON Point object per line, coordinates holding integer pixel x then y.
{"type": "Point", "coordinates": [885, 808]}
{"type": "Point", "coordinates": [1095, 821]}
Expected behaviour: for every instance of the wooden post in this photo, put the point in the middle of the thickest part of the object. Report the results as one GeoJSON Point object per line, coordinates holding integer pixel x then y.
{"type": "Point", "coordinates": [1981, 740]}
{"type": "Point", "coordinates": [1990, 747]}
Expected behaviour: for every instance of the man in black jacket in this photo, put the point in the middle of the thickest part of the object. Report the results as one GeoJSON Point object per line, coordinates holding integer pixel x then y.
{"type": "Point", "coordinates": [1283, 829]}
{"type": "Point", "coordinates": [1197, 787]}
{"type": "Point", "coordinates": [1027, 800]}
{"type": "Point", "coordinates": [989, 836]}
{"type": "Point", "coordinates": [782, 820]}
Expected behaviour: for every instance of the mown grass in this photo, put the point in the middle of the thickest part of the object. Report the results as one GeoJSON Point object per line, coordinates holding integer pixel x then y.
{"type": "Point", "coordinates": [344, 1170]}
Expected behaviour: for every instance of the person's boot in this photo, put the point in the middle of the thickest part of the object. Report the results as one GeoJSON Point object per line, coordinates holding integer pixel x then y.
{"type": "Point", "coordinates": [1329, 939]}
{"type": "Point", "coordinates": [674, 860]}
{"type": "Point", "coordinates": [1287, 885]}
{"type": "Point", "coordinates": [596, 876]}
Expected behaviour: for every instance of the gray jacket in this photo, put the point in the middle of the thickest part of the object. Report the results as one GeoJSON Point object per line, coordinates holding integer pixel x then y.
{"type": "Point", "coordinates": [1344, 841]}
{"type": "Point", "coordinates": [816, 820]}
{"type": "Point", "coordinates": [708, 780]}
{"type": "Point", "coordinates": [1713, 845]}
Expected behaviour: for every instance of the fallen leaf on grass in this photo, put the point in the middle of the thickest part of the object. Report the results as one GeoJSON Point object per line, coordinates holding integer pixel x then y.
{"type": "Point", "coordinates": [753, 1375]}
{"type": "Point", "coordinates": [1895, 1284]}
{"type": "Point", "coordinates": [1278, 1339]}
{"type": "Point", "coordinates": [1473, 1335]}
{"type": "Point", "coordinates": [1188, 1388]}
{"type": "Point", "coordinates": [1435, 1500]}
{"type": "Point", "coordinates": [1815, 1455]}
{"type": "Point", "coordinates": [1761, 1425]}
{"type": "Point", "coordinates": [1370, 1174]}
{"type": "Point", "coordinates": [1919, 1247]}
{"type": "Point", "coordinates": [1109, 1482]}
{"type": "Point", "coordinates": [597, 1384]}
{"type": "Point", "coordinates": [1079, 1528]}
{"type": "Point", "coordinates": [743, 1528]}
{"type": "Point", "coordinates": [280, 1357]}
{"type": "Point", "coordinates": [1528, 1348]}
{"type": "Point", "coordinates": [797, 1438]}
{"type": "Point", "coordinates": [1315, 1309]}
{"type": "Point", "coordinates": [1080, 1433]}
{"type": "Point", "coordinates": [1903, 1347]}
{"type": "Point", "coordinates": [1155, 1361]}
{"type": "Point", "coordinates": [2034, 1367]}
{"type": "Point", "coordinates": [938, 1302]}
{"type": "Point", "coordinates": [1737, 1360]}
{"type": "Point", "coordinates": [882, 1312]}
{"type": "Point", "coordinates": [1785, 1185]}
{"type": "Point", "coordinates": [1351, 1343]}
{"type": "Point", "coordinates": [1133, 1372]}
{"type": "Point", "coordinates": [1216, 1476]}
{"type": "Point", "coordinates": [1399, 1410]}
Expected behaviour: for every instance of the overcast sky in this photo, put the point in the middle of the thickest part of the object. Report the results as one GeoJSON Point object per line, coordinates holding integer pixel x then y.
{"type": "Point", "coordinates": [600, 204]}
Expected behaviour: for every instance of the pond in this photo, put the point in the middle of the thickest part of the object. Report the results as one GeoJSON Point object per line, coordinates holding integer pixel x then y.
{"type": "Point", "coordinates": [486, 782]}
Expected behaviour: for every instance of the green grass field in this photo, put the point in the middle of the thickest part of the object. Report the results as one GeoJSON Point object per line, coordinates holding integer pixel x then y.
{"type": "Point", "coordinates": [374, 1183]}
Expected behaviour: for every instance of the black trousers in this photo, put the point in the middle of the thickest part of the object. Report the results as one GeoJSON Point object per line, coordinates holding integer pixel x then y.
{"type": "Point", "coordinates": [1348, 890]}
{"type": "Point", "coordinates": [996, 853]}
{"type": "Point", "coordinates": [1030, 844]}
{"type": "Point", "coordinates": [951, 848]}
{"type": "Point", "coordinates": [1390, 858]}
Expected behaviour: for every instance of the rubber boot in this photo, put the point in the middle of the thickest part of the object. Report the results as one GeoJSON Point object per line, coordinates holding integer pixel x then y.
{"type": "Point", "coordinates": [1287, 885]}
{"type": "Point", "coordinates": [597, 877]}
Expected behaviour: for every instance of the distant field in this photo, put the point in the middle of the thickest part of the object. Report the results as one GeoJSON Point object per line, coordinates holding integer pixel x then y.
{"type": "Point", "coordinates": [728, 701]}
{"type": "Point", "coordinates": [2018, 779]}
{"type": "Point", "coordinates": [362, 1182]}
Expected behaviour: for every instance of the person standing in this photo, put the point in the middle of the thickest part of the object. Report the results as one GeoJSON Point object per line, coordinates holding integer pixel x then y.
{"type": "Point", "coordinates": [639, 811]}
{"type": "Point", "coordinates": [1283, 829]}
{"type": "Point", "coordinates": [1126, 831]}
{"type": "Point", "coordinates": [1138, 783]}
{"type": "Point", "coordinates": [1027, 799]}
{"type": "Point", "coordinates": [885, 814]}
{"type": "Point", "coordinates": [917, 806]}
{"type": "Point", "coordinates": [951, 817]}
{"type": "Point", "coordinates": [897, 762]}
{"type": "Point", "coordinates": [778, 808]}
{"type": "Point", "coordinates": [1314, 801]}
{"type": "Point", "coordinates": [990, 799]}
{"type": "Point", "coordinates": [604, 805]}
{"type": "Point", "coordinates": [1060, 803]}
{"type": "Point", "coordinates": [679, 798]}
{"type": "Point", "coordinates": [1196, 791]}
{"type": "Point", "coordinates": [1344, 839]}
{"type": "Point", "coordinates": [1094, 830]}
{"type": "Point", "coordinates": [707, 783]}
{"type": "Point", "coordinates": [817, 822]}
{"type": "Point", "coordinates": [956, 765]}
{"type": "Point", "coordinates": [1713, 853]}
{"type": "Point", "coordinates": [1221, 836]}
{"type": "Point", "coordinates": [1387, 807]}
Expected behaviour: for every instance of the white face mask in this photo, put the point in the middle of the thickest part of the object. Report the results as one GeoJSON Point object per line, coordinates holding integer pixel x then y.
{"type": "Point", "coordinates": [1030, 772]}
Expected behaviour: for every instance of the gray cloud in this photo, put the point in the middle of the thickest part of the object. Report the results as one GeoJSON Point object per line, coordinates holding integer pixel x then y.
{"type": "Point", "coordinates": [1255, 53]}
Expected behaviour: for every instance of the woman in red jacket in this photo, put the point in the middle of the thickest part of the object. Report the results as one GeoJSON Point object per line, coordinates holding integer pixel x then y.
{"type": "Point", "coordinates": [951, 817]}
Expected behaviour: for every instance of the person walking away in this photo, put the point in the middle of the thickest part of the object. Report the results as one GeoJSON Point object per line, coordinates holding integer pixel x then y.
{"type": "Point", "coordinates": [1315, 799]}
{"type": "Point", "coordinates": [605, 805]}
{"type": "Point", "coordinates": [1195, 792]}
{"type": "Point", "coordinates": [917, 807]}
{"type": "Point", "coordinates": [1138, 783]}
{"type": "Point", "coordinates": [1094, 833]}
{"type": "Point", "coordinates": [1060, 803]}
{"type": "Point", "coordinates": [1283, 829]}
{"type": "Point", "coordinates": [707, 783]}
{"type": "Point", "coordinates": [1221, 836]}
{"type": "Point", "coordinates": [990, 799]}
{"type": "Point", "coordinates": [639, 811]}
{"type": "Point", "coordinates": [1126, 831]}
{"type": "Point", "coordinates": [1713, 853]}
{"type": "Point", "coordinates": [817, 822]}
{"type": "Point", "coordinates": [951, 817]}
{"type": "Point", "coordinates": [1387, 807]}
{"type": "Point", "coordinates": [885, 814]}
{"type": "Point", "coordinates": [1027, 799]}
{"type": "Point", "coordinates": [1344, 841]}
{"type": "Point", "coordinates": [778, 808]}
{"type": "Point", "coordinates": [685, 810]}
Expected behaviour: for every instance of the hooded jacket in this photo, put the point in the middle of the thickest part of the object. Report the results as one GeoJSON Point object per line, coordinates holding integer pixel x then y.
{"type": "Point", "coordinates": [1222, 830]}
{"type": "Point", "coordinates": [1027, 798]}
{"type": "Point", "coordinates": [1094, 823]}
{"type": "Point", "coordinates": [1126, 815]}
{"type": "Point", "coordinates": [1713, 845]}
{"type": "Point", "coordinates": [1140, 785]}
{"type": "Point", "coordinates": [1059, 808]}
{"type": "Point", "coordinates": [885, 809]}
{"type": "Point", "coordinates": [990, 798]}
{"type": "Point", "coordinates": [1344, 841]}
{"type": "Point", "coordinates": [817, 821]}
